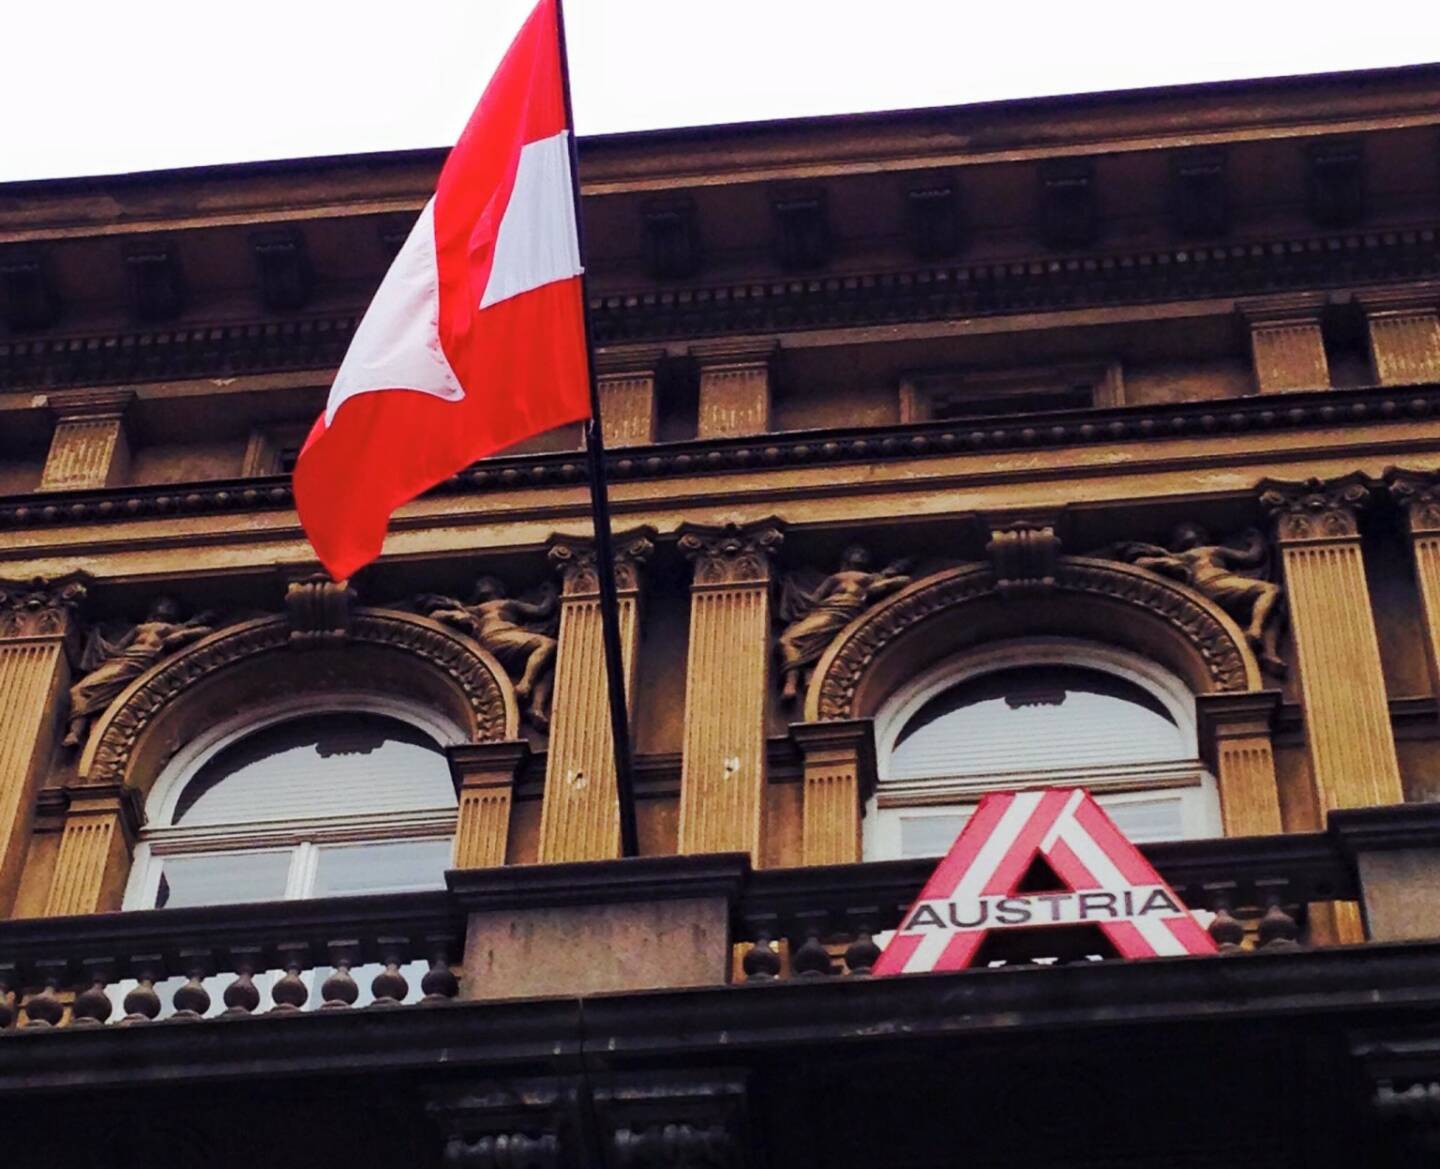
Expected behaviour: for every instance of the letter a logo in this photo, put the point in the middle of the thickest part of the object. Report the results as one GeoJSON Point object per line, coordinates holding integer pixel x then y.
{"type": "Point", "coordinates": [974, 889]}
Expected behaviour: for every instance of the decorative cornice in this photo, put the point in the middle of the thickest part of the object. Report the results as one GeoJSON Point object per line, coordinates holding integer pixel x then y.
{"type": "Point", "coordinates": [1033, 284]}
{"type": "Point", "coordinates": [1417, 493]}
{"type": "Point", "coordinates": [41, 608]}
{"type": "Point", "coordinates": [1332, 409]}
{"type": "Point", "coordinates": [731, 553]}
{"type": "Point", "coordinates": [573, 557]}
{"type": "Point", "coordinates": [183, 351]}
{"type": "Point", "coordinates": [1316, 509]}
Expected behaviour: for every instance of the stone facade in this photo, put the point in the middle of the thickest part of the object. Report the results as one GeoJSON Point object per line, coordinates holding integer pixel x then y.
{"type": "Point", "coordinates": [1180, 414]}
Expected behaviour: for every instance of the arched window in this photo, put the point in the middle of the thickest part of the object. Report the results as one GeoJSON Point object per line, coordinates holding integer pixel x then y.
{"type": "Point", "coordinates": [1038, 712]}
{"type": "Point", "coordinates": [317, 799]}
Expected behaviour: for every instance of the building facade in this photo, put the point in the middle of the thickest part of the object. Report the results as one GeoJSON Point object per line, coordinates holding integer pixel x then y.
{"type": "Point", "coordinates": [1087, 441]}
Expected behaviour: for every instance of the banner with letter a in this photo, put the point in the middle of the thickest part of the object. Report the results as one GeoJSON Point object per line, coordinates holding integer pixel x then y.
{"type": "Point", "coordinates": [1106, 883]}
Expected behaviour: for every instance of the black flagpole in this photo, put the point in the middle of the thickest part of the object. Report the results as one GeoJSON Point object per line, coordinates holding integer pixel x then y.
{"type": "Point", "coordinates": [600, 510]}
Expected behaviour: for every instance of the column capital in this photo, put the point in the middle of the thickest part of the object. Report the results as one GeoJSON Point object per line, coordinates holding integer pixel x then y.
{"type": "Point", "coordinates": [41, 608]}
{"type": "Point", "coordinates": [619, 360]}
{"type": "Point", "coordinates": [1282, 309]}
{"type": "Point", "coordinates": [1410, 298]}
{"type": "Point", "coordinates": [109, 798]}
{"type": "Point", "coordinates": [573, 557]}
{"type": "Point", "coordinates": [735, 351]}
{"type": "Point", "coordinates": [1418, 494]}
{"type": "Point", "coordinates": [91, 402]}
{"type": "Point", "coordinates": [1316, 509]}
{"type": "Point", "coordinates": [493, 764]}
{"type": "Point", "coordinates": [1235, 713]}
{"type": "Point", "coordinates": [726, 554]}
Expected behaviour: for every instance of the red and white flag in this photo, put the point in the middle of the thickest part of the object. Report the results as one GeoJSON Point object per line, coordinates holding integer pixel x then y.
{"type": "Point", "coordinates": [475, 339]}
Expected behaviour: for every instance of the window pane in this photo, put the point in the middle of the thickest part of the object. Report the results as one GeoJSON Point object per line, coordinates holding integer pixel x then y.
{"type": "Point", "coordinates": [1037, 718]}
{"type": "Point", "coordinates": [337, 764]}
{"type": "Point", "coordinates": [931, 835]}
{"type": "Point", "coordinates": [392, 867]}
{"type": "Point", "coordinates": [222, 878]}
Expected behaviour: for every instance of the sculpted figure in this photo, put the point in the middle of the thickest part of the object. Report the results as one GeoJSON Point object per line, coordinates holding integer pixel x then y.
{"type": "Point", "coordinates": [520, 633]}
{"type": "Point", "coordinates": [113, 661]}
{"type": "Point", "coordinates": [1210, 569]}
{"type": "Point", "coordinates": [816, 614]}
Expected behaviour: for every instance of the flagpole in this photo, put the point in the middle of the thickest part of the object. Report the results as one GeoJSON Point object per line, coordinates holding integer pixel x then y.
{"type": "Point", "coordinates": [600, 509]}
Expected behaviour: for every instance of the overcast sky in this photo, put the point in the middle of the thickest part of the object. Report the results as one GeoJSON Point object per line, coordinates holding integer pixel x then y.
{"type": "Point", "coordinates": [106, 86]}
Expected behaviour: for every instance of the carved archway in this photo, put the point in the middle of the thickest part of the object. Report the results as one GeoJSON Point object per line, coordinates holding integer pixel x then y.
{"type": "Point", "coordinates": [382, 650]}
{"type": "Point", "coordinates": [1098, 599]}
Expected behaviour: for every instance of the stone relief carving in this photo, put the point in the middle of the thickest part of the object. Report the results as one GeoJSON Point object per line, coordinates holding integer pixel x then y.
{"type": "Point", "coordinates": [115, 656]}
{"type": "Point", "coordinates": [897, 618]}
{"type": "Point", "coordinates": [817, 608]}
{"type": "Point", "coordinates": [1235, 578]}
{"type": "Point", "coordinates": [520, 633]}
{"type": "Point", "coordinates": [399, 631]}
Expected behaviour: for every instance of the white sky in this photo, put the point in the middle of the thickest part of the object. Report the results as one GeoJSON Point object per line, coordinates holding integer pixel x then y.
{"type": "Point", "coordinates": [105, 86]}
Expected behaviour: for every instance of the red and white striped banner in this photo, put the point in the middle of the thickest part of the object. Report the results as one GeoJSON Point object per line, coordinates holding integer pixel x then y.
{"type": "Point", "coordinates": [1108, 883]}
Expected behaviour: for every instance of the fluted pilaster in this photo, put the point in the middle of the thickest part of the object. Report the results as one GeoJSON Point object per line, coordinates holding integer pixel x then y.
{"type": "Point", "coordinates": [89, 447]}
{"type": "Point", "coordinates": [1235, 742]}
{"type": "Point", "coordinates": [1404, 333]}
{"type": "Point", "coordinates": [839, 777]}
{"type": "Point", "coordinates": [580, 816]}
{"type": "Point", "coordinates": [95, 848]}
{"type": "Point", "coordinates": [627, 378]}
{"type": "Point", "coordinates": [1286, 343]}
{"type": "Point", "coordinates": [1418, 495]}
{"type": "Point", "coordinates": [734, 386]}
{"type": "Point", "coordinates": [1347, 716]}
{"type": "Point", "coordinates": [485, 775]}
{"type": "Point", "coordinates": [727, 681]}
{"type": "Point", "coordinates": [38, 635]}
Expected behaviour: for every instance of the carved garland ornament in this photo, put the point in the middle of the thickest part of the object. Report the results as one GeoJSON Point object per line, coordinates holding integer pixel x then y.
{"type": "Point", "coordinates": [855, 651]}
{"type": "Point", "coordinates": [227, 647]}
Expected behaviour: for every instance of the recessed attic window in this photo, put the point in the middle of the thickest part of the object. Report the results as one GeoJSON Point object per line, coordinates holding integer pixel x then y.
{"type": "Point", "coordinates": [937, 395]}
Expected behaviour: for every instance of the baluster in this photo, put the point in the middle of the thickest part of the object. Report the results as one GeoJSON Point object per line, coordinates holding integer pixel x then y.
{"type": "Point", "coordinates": [242, 996]}
{"type": "Point", "coordinates": [861, 954]}
{"type": "Point", "coordinates": [290, 992]}
{"type": "Point", "coordinates": [761, 963]}
{"type": "Point", "coordinates": [45, 1009]}
{"type": "Point", "coordinates": [92, 1006]}
{"type": "Point", "coordinates": [811, 959]}
{"type": "Point", "coordinates": [9, 982]}
{"type": "Point", "coordinates": [439, 984]}
{"type": "Point", "coordinates": [1278, 929]}
{"type": "Point", "coordinates": [1227, 931]}
{"type": "Point", "coordinates": [142, 1004]}
{"type": "Point", "coordinates": [390, 986]}
{"type": "Point", "coordinates": [192, 1000]}
{"type": "Point", "coordinates": [340, 989]}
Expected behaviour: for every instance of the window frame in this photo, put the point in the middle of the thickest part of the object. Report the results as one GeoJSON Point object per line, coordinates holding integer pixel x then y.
{"type": "Point", "coordinates": [939, 795]}
{"type": "Point", "coordinates": [302, 837]}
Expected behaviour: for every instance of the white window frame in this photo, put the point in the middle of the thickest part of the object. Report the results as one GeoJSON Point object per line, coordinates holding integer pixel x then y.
{"type": "Point", "coordinates": [161, 837]}
{"type": "Point", "coordinates": [1131, 782]}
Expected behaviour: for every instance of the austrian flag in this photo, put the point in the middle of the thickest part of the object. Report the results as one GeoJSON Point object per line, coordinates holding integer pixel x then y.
{"type": "Point", "coordinates": [476, 337]}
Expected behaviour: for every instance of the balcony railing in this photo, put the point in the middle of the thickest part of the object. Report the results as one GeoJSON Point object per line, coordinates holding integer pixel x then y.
{"type": "Point", "coordinates": [1256, 893]}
